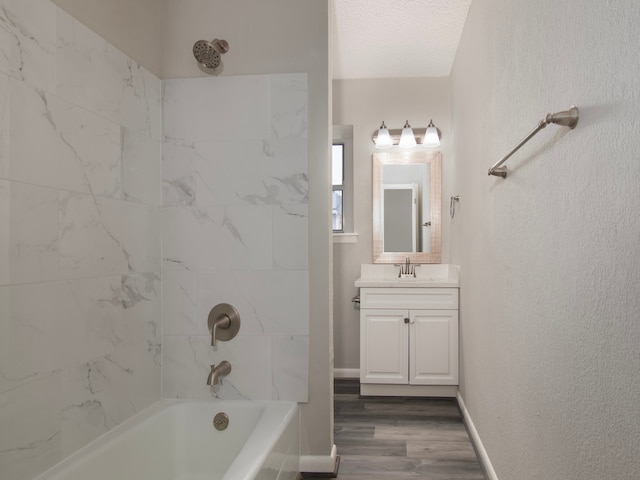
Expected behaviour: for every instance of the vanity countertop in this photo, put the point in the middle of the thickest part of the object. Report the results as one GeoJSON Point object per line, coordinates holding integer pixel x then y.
{"type": "Point", "coordinates": [427, 275]}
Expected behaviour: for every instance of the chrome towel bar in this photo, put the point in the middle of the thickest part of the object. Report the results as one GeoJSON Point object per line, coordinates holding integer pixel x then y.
{"type": "Point", "coordinates": [567, 118]}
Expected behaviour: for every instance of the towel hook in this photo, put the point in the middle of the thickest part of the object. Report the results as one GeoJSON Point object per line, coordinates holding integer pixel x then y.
{"type": "Point", "coordinates": [452, 205]}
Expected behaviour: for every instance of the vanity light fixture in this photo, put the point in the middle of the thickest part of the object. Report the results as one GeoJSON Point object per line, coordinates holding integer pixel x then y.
{"type": "Point", "coordinates": [383, 139]}
{"type": "Point", "coordinates": [406, 137]}
{"type": "Point", "coordinates": [407, 140]}
{"type": "Point", "coordinates": [431, 137]}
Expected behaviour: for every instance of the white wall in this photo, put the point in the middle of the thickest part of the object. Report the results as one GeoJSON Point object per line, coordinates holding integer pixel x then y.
{"type": "Point", "coordinates": [365, 104]}
{"type": "Point", "coordinates": [79, 237]}
{"type": "Point", "coordinates": [235, 230]}
{"type": "Point", "coordinates": [550, 255]}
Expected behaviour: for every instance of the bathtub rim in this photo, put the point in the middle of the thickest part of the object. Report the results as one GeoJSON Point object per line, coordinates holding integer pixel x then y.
{"type": "Point", "coordinates": [287, 409]}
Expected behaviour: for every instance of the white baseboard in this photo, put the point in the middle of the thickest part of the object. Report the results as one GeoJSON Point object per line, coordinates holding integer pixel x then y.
{"type": "Point", "coordinates": [346, 373]}
{"type": "Point", "coordinates": [319, 463]}
{"type": "Point", "coordinates": [477, 443]}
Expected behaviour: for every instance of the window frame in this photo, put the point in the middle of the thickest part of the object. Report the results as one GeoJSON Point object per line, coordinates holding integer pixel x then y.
{"type": "Point", "coordinates": [343, 134]}
{"type": "Point", "coordinates": [338, 187]}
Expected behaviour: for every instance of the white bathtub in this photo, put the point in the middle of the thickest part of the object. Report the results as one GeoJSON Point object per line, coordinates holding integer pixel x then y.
{"type": "Point", "coordinates": [176, 440]}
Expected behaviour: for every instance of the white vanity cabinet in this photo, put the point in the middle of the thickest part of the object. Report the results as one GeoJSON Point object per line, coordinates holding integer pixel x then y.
{"type": "Point", "coordinates": [409, 341]}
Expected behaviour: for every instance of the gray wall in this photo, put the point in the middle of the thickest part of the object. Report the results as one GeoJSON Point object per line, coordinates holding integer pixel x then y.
{"type": "Point", "coordinates": [550, 256]}
{"type": "Point", "coordinates": [365, 104]}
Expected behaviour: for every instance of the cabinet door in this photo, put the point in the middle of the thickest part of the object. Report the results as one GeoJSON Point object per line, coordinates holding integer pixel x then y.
{"type": "Point", "coordinates": [434, 347]}
{"type": "Point", "coordinates": [384, 346]}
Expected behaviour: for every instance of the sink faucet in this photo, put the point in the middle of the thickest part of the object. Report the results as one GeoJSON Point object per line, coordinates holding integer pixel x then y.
{"type": "Point", "coordinates": [407, 268]}
{"type": "Point", "coordinates": [218, 371]}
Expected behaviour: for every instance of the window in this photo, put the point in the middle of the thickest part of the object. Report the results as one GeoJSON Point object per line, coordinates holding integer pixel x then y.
{"type": "Point", "coordinates": [337, 174]}
{"type": "Point", "coordinates": [342, 183]}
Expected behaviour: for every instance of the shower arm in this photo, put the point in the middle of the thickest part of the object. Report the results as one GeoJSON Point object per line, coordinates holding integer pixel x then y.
{"type": "Point", "coordinates": [568, 118]}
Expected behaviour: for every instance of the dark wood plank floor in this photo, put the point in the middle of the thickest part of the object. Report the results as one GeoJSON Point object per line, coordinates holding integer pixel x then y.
{"type": "Point", "coordinates": [401, 438]}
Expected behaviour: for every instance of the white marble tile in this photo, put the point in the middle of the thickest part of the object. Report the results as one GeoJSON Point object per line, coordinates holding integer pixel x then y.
{"type": "Point", "coordinates": [102, 236]}
{"type": "Point", "coordinates": [235, 228]}
{"type": "Point", "coordinates": [141, 304]}
{"type": "Point", "coordinates": [95, 141]}
{"type": "Point", "coordinates": [286, 160]}
{"type": "Point", "coordinates": [216, 108]}
{"type": "Point", "coordinates": [104, 392]}
{"type": "Point", "coordinates": [49, 326]}
{"type": "Point", "coordinates": [178, 174]}
{"type": "Point", "coordinates": [153, 88]}
{"type": "Point", "coordinates": [95, 75]}
{"type": "Point", "coordinates": [28, 41]}
{"type": "Point", "coordinates": [258, 172]}
{"type": "Point", "coordinates": [33, 231]}
{"type": "Point", "coordinates": [38, 152]}
{"type": "Point", "coordinates": [141, 167]}
{"type": "Point", "coordinates": [289, 105]}
{"type": "Point", "coordinates": [138, 230]}
{"type": "Point", "coordinates": [187, 360]}
{"type": "Point", "coordinates": [269, 302]}
{"type": "Point", "coordinates": [5, 231]}
{"type": "Point", "coordinates": [291, 237]}
{"type": "Point", "coordinates": [118, 311]}
{"type": "Point", "coordinates": [41, 331]}
{"type": "Point", "coordinates": [216, 238]}
{"type": "Point", "coordinates": [290, 368]}
{"type": "Point", "coordinates": [179, 304]}
{"type": "Point", "coordinates": [30, 441]}
{"type": "Point", "coordinates": [87, 246]}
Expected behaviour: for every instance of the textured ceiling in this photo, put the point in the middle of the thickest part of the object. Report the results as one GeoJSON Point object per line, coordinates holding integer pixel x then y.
{"type": "Point", "coordinates": [395, 38]}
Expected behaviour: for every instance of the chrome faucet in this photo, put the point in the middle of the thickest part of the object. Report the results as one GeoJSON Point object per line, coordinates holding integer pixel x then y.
{"type": "Point", "coordinates": [218, 371]}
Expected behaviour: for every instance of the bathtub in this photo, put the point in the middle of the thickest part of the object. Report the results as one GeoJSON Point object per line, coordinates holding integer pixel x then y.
{"type": "Point", "coordinates": [176, 440]}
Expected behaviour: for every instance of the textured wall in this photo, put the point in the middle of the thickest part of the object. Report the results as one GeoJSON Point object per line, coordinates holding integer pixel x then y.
{"type": "Point", "coordinates": [79, 237]}
{"type": "Point", "coordinates": [365, 104]}
{"type": "Point", "coordinates": [550, 256]}
{"type": "Point", "coordinates": [235, 222]}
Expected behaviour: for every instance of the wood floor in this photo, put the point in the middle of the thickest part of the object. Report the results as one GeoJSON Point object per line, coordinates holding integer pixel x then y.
{"type": "Point", "coordinates": [401, 438]}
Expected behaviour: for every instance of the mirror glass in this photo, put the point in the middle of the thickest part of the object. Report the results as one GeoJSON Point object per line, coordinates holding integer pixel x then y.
{"type": "Point", "coordinates": [406, 207]}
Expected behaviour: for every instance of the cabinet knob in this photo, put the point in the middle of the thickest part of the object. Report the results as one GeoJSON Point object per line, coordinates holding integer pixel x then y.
{"type": "Point", "coordinates": [406, 320]}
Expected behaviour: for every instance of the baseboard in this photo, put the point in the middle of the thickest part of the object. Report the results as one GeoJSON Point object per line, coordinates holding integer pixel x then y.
{"type": "Point", "coordinates": [320, 465]}
{"type": "Point", "coordinates": [346, 373]}
{"type": "Point", "coordinates": [483, 457]}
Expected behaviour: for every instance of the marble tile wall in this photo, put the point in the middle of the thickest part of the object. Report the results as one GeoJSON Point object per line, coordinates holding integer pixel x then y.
{"type": "Point", "coordinates": [80, 229]}
{"type": "Point", "coordinates": [235, 211]}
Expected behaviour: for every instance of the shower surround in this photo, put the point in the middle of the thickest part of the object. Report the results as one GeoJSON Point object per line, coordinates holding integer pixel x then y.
{"type": "Point", "coordinates": [235, 223]}
{"type": "Point", "coordinates": [81, 228]}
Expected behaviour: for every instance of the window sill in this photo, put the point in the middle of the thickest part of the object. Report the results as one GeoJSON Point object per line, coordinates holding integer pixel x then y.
{"type": "Point", "coordinates": [345, 237]}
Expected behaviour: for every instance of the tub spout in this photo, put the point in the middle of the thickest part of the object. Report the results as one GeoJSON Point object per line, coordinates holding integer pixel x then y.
{"type": "Point", "coordinates": [218, 371]}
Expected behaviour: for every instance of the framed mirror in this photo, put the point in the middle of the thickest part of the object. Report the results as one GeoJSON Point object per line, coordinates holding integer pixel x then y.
{"type": "Point", "coordinates": [407, 213]}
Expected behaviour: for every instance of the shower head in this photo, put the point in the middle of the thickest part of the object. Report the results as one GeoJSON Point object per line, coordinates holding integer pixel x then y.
{"type": "Point", "coordinates": [207, 54]}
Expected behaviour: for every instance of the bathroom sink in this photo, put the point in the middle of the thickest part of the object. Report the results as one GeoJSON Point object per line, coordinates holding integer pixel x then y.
{"type": "Point", "coordinates": [427, 275]}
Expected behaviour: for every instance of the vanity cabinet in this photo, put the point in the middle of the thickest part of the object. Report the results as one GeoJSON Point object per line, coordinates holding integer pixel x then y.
{"type": "Point", "coordinates": [409, 341]}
